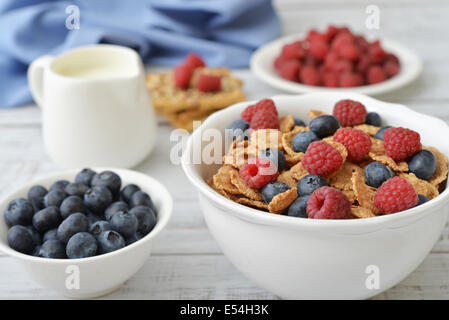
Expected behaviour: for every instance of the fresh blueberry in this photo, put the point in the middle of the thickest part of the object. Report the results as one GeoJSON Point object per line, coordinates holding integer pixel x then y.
{"type": "Point", "coordinates": [59, 185]}
{"type": "Point", "coordinates": [76, 189]}
{"type": "Point", "coordinates": [53, 249]}
{"type": "Point", "coordinates": [380, 133]}
{"type": "Point", "coordinates": [75, 223]}
{"type": "Point", "coordinates": [423, 164]}
{"type": "Point", "coordinates": [324, 126]}
{"type": "Point", "coordinates": [421, 199]}
{"type": "Point", "coordinates": [134, 238]}
{"type": "Point", "coordinates": [108, 179]}
{"type": "Point", "coordinates": [109, 241]}
{"type": "Point", "coordinates": [272, 189]}
{"type": "Point", "coordinates": [373, 118]}
{"type": "Point", "coordinates": [141, 198]}
{"type": "Point", "coordinates": [309, 183]}
{"type": "Point", "coordinates": [299, 207]}
{"type": "Point", "coordinates": [128, 191]}
{"type": "Point", "coordinates": [114, 208]}
{"type": "Point", "coordinates": [377, 173]}
{"type": "Point", "coordinates": [92, 218]}
{"type": "Point", "coordinates": [54, 198]}
{"type": "Point", "coordinates": [20, 239]}
{"type": "Point", "coordinates": [98, 227]}
{"type": "Point", "coordinates": [275, 156]}
{"type": "Point", "coordinates": [124, 223]}
{"type": "Point", "coordinates": [238, 128]}
{"type": "Point", "coordinates": [36, 196]}
{"type": "Point", "coordinates": [85, 176]}
{"type": "Point", "coordinates": [71, 205]}
{"type": "Point", "coordinates": [50, 235]}
{"type": "Point", "coordinates": [36, 250]}
{"type": "Point", "coordinates": [35, 234]}
{"type": "Point", "coordinates": [97, 199]}
{"type": "Point", "coordinates": [81, 245]}
{"type": "Point", "coordinates": [301, 141]}
{"type": "Point", "coordinates": [47, 219]}
{"type": "Point", "coordinates": [145, 218]}
{"type": "Point", "coordinates": [19, 211]}
{"type": "Point", "coordinates": [299, 122]}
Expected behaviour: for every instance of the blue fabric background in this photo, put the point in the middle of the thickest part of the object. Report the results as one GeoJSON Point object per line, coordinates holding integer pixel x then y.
{"type": "Point", "coordinates": [224, 32]}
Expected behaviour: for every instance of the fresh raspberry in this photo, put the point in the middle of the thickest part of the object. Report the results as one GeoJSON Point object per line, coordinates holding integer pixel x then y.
{"type": "Point", "coordinates": [349, 51]}
{"type": "Point", "coordinates": [195, 61]}
{"type": "Point", "coordinates": [375, 75]}
{"type": "Point", "coordinates": [279, 61]}
{"type": "Point", "coordinates": [357, 142]}
{"type": "Point", "coordinates": [249, 111]}
{"type": "Point", "coordinates": [331, 59]}
{"type": "Point", "coordinates": [342, 65]}
{"type": "Point", "coordinates": [264, 118]}
{"type": "Point", "coordinates": [258, 172]}
{"type": "Point", "coordinates": [293, 50]}
{"type": "Point", "coordinates": [350, 79]}
{"type": "Point", "coordinates": [401, 143]}
{"type": "Point", "coordinates": [350, 112]}
{"type": "Point", "coordinates": [391, 68]}
{"type": "Point", "coordinates": [318, 49]}
{"type": "Point", "coordinates": [209, 83]}
{"type": "Point", "coordinates": [309, 75]}
{"type": "Point", "coordinates": [182, 75]}
{"type": "Point", "coordinates": [376, 53]}
{"type": "Point", "coordinates": [330, 79]}
{"type": "Point", "coordinates": [394, 195]}
{"type": "Point", "coordinates": [321, 158]}
{"type": "Point", "coordinates": [290, 70]}
{"type": "Point", "coordinates": [331, 32]}
{"type": "Point", "coordinates": [342, 39]}
{"type": "Point", "coordinates": [362, 43]}
{"type": "Point", "coordinates": [328, 203]}
{"type": "Point", "coordinates": [314, 35]}
{"type": "Point", "coordinates": [363, 64]}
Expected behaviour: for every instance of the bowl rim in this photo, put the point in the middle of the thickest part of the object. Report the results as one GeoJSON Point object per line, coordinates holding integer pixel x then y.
{"type": "Point", "coordinates": [345, 226]}
{"type": "Point", "coordinates": [164, 215]}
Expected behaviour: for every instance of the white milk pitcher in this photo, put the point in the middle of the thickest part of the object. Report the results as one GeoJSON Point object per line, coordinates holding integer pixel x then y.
{"type": "Point", "coordinates": [95, 105]}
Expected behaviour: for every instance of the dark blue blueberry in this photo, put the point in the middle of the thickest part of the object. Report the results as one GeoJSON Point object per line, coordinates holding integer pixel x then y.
{"type": "Point", "coordinates": [75, 223]}
{"type": "Point", "coordinates": [81, 245]}
{"type": "Point", "coordinates": [423, 164]}
{"type": "Point", "coordinates": [124, 223]}
{"type": "Point", "coordinates": [20, 239]}
{"type": "Point", "coordinates": [35, 234]}
{"type": "Point", "coordinates": [97, 199]}
{"type": "Point", "coordinates": [76, 189]}
{"type": "Point", "coordinates": [380, 133]}
{"type": "Point", "coordinates": [50, 235]}
{"type": "Point", "coordinates": [301, 141]}
{"type": "Point", "coordinates": [238, 128]}
{"type": "Point", "coordinates": [53, 249]}
{"type": "Point", "coordinates": [71, 205]}
{"type": "Point", "coordinates": [299, 207]}
{"type": "Point", "coordinates": [141, 198]}
{"type": "Point", "coordinates": [272, 189]}
{"type": "Point", "coordinates": [98, 227]}
{"type": "Point", "coordinates": [377, 173]}
{"type": "Point", "coordinates": [134, 238]}
{"type": "Point", "coordinates": [309, 183]}
{"type": "Point", "coordinates": [109, 241]}
{"type": "Point", "coordinates": [128, 191]}
{"type": "Point", "coordinates": [373, 118]}
{"type": "Point", "coordinates": [54, 198]}
{"type": "Point", "coordinates": [145, 218]}
{"type": "Point", "coordinates": [59, 185]}
{"type": "Point", "coordinates": [299, 122]}
{"type": "Point", "coordinates": [108, 179]}
{"type": "Point", "coordinates": [85, 176]}
{"type": "Point", "coordinates": [36, 250]}
{"type": "Point", "coordinates": [324, 126]}
{"type": "Point", "coordinates": [421, 199]}
{"type": "Point", "coordinates": [92, 218]}
{"type": "Point", "coordinates": [47, 219]}
{"type": "Point", "coordinates": [275, 156]}
{"type": "Point", "coordinates": [114, 208]}
{"type": "Point", "coordinates": [36, 196]}
{"type": "Point", "coordinates": [19, 211]}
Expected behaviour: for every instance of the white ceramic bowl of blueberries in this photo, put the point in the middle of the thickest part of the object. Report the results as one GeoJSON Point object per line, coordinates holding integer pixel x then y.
{"type": "Point", "coordinates": [84, 233]}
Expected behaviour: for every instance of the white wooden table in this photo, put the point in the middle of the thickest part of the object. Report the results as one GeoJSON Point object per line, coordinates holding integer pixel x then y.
{"type": "Point", "coordinates": [186, 262]}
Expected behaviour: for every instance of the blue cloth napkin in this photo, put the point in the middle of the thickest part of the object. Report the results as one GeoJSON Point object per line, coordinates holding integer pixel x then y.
{"type": "Point", "coordinates": [223, 32]}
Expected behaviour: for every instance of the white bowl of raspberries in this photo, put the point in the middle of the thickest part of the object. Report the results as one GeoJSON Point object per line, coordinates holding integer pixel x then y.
{"type": "Point", "coordinates": [355, 205]}
{"type": "Point", "coordinates": [84, 233]}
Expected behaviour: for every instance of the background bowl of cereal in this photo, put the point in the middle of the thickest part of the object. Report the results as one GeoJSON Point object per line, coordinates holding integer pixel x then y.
{"type": "Point", "coordinates": [299, 258]}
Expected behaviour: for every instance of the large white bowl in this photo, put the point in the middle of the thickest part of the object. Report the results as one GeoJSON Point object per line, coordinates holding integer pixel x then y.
{"type": "Point", "coordinates": [321, 259]}
{"type": "Point", "coordinates": [101, 274]}
{"type": "Point", "coordinates": [262, 66]}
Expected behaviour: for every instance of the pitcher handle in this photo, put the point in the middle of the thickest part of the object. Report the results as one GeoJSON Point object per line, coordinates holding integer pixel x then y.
{"type": "Point", "coordinates": [35, 77]}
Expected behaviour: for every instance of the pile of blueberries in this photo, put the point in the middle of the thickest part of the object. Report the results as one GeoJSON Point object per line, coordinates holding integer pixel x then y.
{"type": "Point", "coordinates": [91, 216]}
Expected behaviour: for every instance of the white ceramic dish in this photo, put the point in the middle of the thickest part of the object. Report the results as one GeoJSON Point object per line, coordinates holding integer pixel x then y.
{"type": "Point", "coordinates": [101, 274]}
{"type": "Point", "coordinates": [321, 259]}
{"type": "Point", "coordinates": [262, 66]}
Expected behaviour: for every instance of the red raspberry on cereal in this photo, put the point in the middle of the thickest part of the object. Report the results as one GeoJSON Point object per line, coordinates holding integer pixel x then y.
{"type": "Point", "coordinates": [249, 111]}
{"type": "Point", "coordinates": [322, 159]}
{"type": "Point", "coordinates": [258, 172]}
{"type": "Point", "coordinates": [401, 143]}
{"type": "Point", "coordinates": [209, 83]}
{"type": "Point", "coordinates": [264, 118]}
{"type": "Point", "coordinates": [309, 75]}
{"type": "Point", "coordinates": [328, 203]}
{"type": "Point", "coordinates": [290, 70]}
{"type": "Point", "coordinates": [357, 142]}
{"type": "Point", "coordinates": [182, 75]}
{"type": "Point", "coordinates": [195, 61]}
{"type": "Point", "coordinates": [349, 112]}
{"type": "Point", "coordinates": [395, 195]}
{"type": "Point", "coordinates": [375, 74]}
{"type": "Point", "coordinates": [293, 50]}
